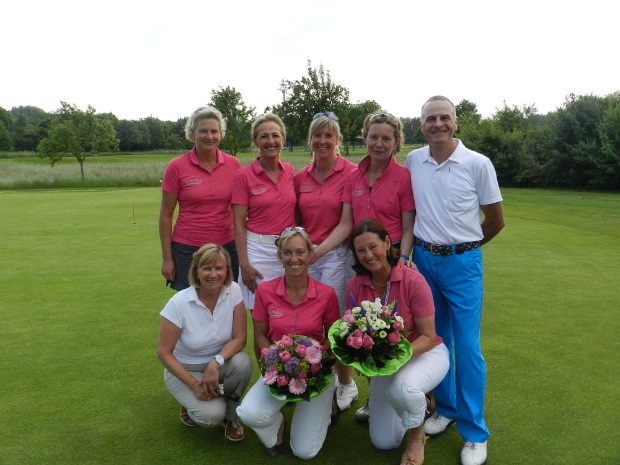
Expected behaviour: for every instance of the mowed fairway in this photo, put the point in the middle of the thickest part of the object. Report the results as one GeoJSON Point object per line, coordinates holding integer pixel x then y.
{"type": "Point", "coordinates": [79, 311]}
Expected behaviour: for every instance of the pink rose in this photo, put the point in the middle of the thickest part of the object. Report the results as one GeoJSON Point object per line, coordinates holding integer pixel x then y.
{"type": "Point", "coordinates": [367, 341]}
{"type": "Point", "coordinates": [285, 342]}
{"type": "Point", "coordinates": [314, 368]}
{"type": "Point", "coordinates": [358, 333]}
{"type": "Point", "coordinates": [301, 350]}
{"type": "Point", "coordinates": [285, 355]}
{"type": "Point", "coordinates": [282, 380]}
{"type": "Point", "coordinates": [302, 374]}
{"type": "Point", "coordinates": [355, 342]}
{"type": "Point", "coordinates": [397, 326]}
{"type": "Point", "coordinates": [393, 338]}
{"type": "Point", "coordinates": [348, 319]}
{"type": "Point", "coordinates": [264, 351]}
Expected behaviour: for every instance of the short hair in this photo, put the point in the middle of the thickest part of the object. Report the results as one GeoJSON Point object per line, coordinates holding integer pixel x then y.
{"type": "Point", "coordinates": [284, 238]}
{"type": "Point", "coordinates": [209, 254]}
{"type": "Point", "coordinates": [371, 225]}
{"type": "Point", "coordinates": [203, 113]}
{"type": "Point", "coordinates": [438, 98]}
{"type": "Point", "coordinates": [384, 117]}
{"type": "Point", "coordinates": [268, 118]}
{"type": "Point", "coordinates": [321, 123]}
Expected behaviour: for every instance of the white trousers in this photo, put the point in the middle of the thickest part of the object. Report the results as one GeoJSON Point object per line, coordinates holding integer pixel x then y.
{"type": "Point", "coordinates": [334, 269]}
{"type": "Point", "coordinates": [261, 411]}
{"type": "Point", "coordinates": [398, 401]}
{"type": "Point", "coordinates": [263, 257]}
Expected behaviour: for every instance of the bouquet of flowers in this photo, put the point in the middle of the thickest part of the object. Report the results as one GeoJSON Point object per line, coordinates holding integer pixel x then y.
{"type": "Point", "coordinates": [296, 368]}
{"type": "Point", "coordinates": [371, 338]}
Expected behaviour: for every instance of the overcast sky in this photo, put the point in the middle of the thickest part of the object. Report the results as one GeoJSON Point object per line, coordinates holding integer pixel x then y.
{"type": "Point", "coordinates": [138, 58]}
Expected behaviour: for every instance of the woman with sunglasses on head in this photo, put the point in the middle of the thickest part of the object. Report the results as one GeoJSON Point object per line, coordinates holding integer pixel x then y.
{"type": "Point", "coordinates": [319, 189]}
{"type": "Point", "coordinates": [379, 188]}
{"type": "Point", "coordinates": [292, 304]}
{"type": "Point", "coordinates": [263, 201]}
{"type": "Point", "coordinates": [200, 182]}
{"type": "Point", "coordinates": [201, 339]}
{"type": "Point", "coordinates": [398, 402]}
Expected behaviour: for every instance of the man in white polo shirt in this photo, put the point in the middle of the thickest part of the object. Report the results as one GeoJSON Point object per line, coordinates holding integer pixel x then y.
{"type": "Point", "coordinates": [452, 185]}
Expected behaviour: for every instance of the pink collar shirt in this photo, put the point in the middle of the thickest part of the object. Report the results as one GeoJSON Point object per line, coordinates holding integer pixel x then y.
{"type": "Point", "coordinates": [271, 206]}
{"type": "Point", "coordinates": [389, 197]}
{"type": "Point", "coordinates": [312, 317]}
{"type": "Point", "coordinates": [320, 202]}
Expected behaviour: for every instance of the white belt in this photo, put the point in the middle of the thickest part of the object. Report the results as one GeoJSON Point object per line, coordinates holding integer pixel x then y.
{"type": "Point", "coordinates": [264, 238]}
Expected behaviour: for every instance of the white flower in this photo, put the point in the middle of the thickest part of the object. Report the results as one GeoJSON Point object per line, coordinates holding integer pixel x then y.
{"type": "Point", "coordinates": [382, 334]}
{"type": "Point", "coordinates": [356, 311]}
{"type": "Point", "coordinates": [366, 305]}
{"type": "Point", "coordinates": [345, 334]}
{"type": "Point", "coordinates": [344, 326]}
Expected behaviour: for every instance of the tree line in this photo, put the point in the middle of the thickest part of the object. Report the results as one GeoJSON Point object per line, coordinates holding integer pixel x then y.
{"type": "Point", "coordinates": [576, 146]}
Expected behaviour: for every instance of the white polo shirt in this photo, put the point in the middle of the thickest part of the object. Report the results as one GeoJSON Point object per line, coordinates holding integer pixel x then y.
{"type": "Point", "coordinates": [448, 196]}
{"type": "Point", "coordinates": [202, 334]}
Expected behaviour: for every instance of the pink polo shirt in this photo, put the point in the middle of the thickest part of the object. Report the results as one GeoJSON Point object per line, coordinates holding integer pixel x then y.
{"type": "Point", "coordinates": [390, 196]}
{"type": "Point", "coordinates": [320, 203]}
{"type": "Point", "coordinates": [312, 317]}
{"type": "Point", "coordinates": [410, 290]}
{"type": "Point", "coordinates": [205, 214]}
{"type": "Point", "coordinates": [271, 207]}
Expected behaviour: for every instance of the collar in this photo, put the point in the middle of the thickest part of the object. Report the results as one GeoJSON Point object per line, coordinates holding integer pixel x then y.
{"type": "Point", "coordinates": [365, 164]}
{"type": "Point", "coordinates": [455, 157]}
{"type": "Point", "coordinates": [310, 292]}
{"type": "Point", "coordinates": [193, 157]}
{"type": "Point", "coordinates": [192, 294]}
{"type": "Point", "coordinates": [259, 169]}
{"type": "Point", "coordinates": [395, 275]}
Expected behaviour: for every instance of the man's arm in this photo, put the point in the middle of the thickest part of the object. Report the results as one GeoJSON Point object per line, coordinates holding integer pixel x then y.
{"type": "Point", "coordinates": [493, 221]}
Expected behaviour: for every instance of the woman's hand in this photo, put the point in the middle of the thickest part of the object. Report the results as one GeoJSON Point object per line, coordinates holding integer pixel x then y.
{"type": "Point", "coordinates": [249, 275]}
{"type": "Point", "coordinates": [167, 269]}
{"type": "Point", "coordinates": [209, 385]}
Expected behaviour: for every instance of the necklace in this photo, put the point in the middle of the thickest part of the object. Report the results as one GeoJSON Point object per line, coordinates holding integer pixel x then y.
{"type": "Point", "coordinates": [377, 284]}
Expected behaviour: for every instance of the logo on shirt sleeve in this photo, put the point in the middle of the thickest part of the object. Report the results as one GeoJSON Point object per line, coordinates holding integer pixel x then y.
{"type": "Point", "coordinates": [193, 181]}
{"type": "Point", "coordinates": [274, 312]}
{"type": "Point", "coordinates": [259, 189]}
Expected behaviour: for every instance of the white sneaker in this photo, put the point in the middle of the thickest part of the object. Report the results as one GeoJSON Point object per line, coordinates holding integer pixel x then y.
{"type": "Point", "coordinates": [436, 425]}
{"type": "Point", "coordinates": [345, 395]}
{"type": "Point", "coordinates": [474, 453]}
{"type": "Point", "coordinates": [363, 413]}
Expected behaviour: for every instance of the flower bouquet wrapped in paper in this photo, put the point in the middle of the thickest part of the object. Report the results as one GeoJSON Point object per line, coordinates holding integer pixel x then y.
{"type": "Point", "coordinates": [296, 368]}
{"type": "Point", "coordinates": [371, 338]}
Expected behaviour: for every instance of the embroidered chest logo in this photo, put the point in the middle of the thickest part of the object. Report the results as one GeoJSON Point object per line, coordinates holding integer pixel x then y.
{"type": "Point", "coordinates": [193, 181]}
{"type": "Point", "coordinates": [259, 189]}
{"type": "Point", "coordinates": [274, 312]}
{"type": "Point", "coordinates": [307, 188]}
{"type": "Point", "coordinates": [357, 192]}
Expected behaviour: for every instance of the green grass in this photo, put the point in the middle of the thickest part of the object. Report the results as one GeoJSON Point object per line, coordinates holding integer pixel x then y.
{"type": "Point", "coordinates": [81, 295]}
{"type": "Point", "coordinates": [136, 170]}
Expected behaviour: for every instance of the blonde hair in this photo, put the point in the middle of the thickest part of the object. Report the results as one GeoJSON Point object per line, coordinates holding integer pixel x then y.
{"type": "Point", "coordinates": [268, 118]}
{"type": "Point", "coordinates": [383, 117]}
{"type": "Point", "coordinates": [284, 238]}
{"type": "Point", "coordinates": [209, 254]}
{"type": "Point", "coordinates": [321, 123]}
{"type": "Point", "coordinates": [200, 114]}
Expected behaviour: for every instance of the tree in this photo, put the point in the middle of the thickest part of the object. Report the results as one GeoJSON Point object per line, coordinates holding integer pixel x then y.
{"type": "Point", "coordinates": [238, 117]}
{"type": "Point", "coordinates": [302, 99]}
{"type": "Point", "coordinates": [467, 112]}
{"type": "Point", "coordinates": [30, 127]}
{"type": "Point", "coordinates": [77, 133]}
{"type": "Point", "coordinates": [411, 130]}
{"type": "Point", "coordinates": [352, 122]}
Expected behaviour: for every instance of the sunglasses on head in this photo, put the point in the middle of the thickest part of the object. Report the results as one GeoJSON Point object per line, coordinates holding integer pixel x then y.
{"type": "Point", "coordinates": [380, 115]}
{"type": "Point", "coordinates": [299, 229]}
{"type": "Point", "coordinates": [327, 114]}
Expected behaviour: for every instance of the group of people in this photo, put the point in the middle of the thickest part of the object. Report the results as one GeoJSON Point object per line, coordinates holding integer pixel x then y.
{"type": "Point", "coordinates": [298, 248]}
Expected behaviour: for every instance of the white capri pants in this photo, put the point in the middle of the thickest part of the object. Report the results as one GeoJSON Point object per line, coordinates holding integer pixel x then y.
{"type": "Point", "coordinates": [398, 401]}
{"type": "Point", "coordinates": [261, 411]}
{"type": "Point", "coordinates": [264, 258]}
{"type": "Point", "coordinates": [334, 269]}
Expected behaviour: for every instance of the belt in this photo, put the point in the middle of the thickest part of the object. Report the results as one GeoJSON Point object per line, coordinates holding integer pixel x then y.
{"type": "Point", "coordinates": [264, 238]}
{"type": "Point", "coordinates": [436, 249]}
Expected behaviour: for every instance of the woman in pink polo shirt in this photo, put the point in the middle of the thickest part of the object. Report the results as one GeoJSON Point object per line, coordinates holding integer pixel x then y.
{"type": "Point", "coordinates": [398, 402]}
{"type": "Point", "coordinates": [200, 182]}
{"type": "Point", "coordinates": [263, 201]}
{"type": "Point", "coordinates": [292, 304]}
{"type": "Point", "coordinates": [378, 188]}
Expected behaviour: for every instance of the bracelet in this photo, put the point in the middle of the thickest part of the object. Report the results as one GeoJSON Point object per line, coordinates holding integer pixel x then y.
{"type": "Point", "coordinates": [406, 257]}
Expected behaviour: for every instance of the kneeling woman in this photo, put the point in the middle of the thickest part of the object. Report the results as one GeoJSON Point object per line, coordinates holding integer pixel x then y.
{"type": "Point", "coordinates": [201, 340]}
{"type": "Point", "coordinates": [398, 401]}
{"type": "Point", "coordinates": [292, 304]}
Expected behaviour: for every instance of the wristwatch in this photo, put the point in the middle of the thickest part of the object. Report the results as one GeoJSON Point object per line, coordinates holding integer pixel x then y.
{"type": "Point", "coordinates": [219, 359]}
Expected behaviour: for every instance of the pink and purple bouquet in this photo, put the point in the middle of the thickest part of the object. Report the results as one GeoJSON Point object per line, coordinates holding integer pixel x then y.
{"type": "Point", "coordinates": [371, 337]}
{"type": "Point", "coordinates": [296, 368]}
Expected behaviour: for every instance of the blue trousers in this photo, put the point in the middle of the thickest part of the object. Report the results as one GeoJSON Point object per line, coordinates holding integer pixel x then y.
{"type": "Point", "coordinates": [456, 283]}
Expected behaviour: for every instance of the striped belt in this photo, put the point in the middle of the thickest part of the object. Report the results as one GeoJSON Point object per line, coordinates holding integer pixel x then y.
{"type": "Point", "coordinates": [264, 238]}
{"type": "Point", "coordinates": [437, 249]}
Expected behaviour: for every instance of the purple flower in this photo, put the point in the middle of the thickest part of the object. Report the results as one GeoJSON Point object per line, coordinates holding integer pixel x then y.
{"type": "Point", "coordinates": [292, 366]}
{"type": "Point", "coordinates": [272, 356]}
{"type": "Point", "coordinates": [304, 342]}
